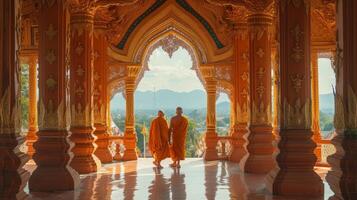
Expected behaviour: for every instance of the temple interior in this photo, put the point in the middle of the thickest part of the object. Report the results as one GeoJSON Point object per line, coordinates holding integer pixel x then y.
{"type": "Point", "coordinates": [263, 54]}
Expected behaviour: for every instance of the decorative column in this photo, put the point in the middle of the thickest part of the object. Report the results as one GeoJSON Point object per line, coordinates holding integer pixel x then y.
{"type": "Point", "coordinates": [276, 83]}
{"type": "Point", "coordinates": [33, 127]}
{"type": "Point", "coordinates": [211, 139]}
{"type": "Point", "coordinates": [100, 95]}
{"type": "Point", "coordinates": [294, 174]}
{"type": "Point", "coordinates": [13, 176]}
{"type": "Point", "coordinates": [260, 149]}
{"type": "Point", "coordinates": [52, 156]}
{"type": "Point", "coordinates": [130, 134]}
{"type": "Point", "coordinates": [241, 92]}
{"type": "Point", "coordinates": [315, 104]}
{"type": "Point", "coordinates": [81, 90]}
{"type": "Point", "coordinates": [342, 177]}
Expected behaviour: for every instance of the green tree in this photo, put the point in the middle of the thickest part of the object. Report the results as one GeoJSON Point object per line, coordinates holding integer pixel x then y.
{"type": "Point", "coordinates": [24, 95]}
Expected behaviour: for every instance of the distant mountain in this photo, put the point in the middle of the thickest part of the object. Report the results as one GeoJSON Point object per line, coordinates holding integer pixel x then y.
{"type": "Point", "coordinates": [165, 99]}
{"type": "Point", "coordinates": [169, 100]}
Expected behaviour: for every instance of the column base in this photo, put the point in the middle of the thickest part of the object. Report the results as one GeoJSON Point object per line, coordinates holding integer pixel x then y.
{"type": "Point", "coordinates": [84, 161]}
{"type": "Point", "coordinates": [294, 174]}
{"type": "Point", "coordinates": [13, 176]}
{"type": "Point", "coordinates": [238, 149]}
{"type": "Point", "coordinates": [31, 138]}
{"type": "Point", "coordinates": [342, 177]}
{"type": "Point", "coordinates": [211, 147]}
{"type": "Point", "coordinates": [102, 142]}
{"type": "Point", "coordinates": [130, 147]}
{"type": "Point", "coordinates": [259, 158]}
{"type": "Point", "coordinates": [52, 157]}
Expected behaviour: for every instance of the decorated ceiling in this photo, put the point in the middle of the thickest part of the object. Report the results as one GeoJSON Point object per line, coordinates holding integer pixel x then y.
{"type": "Point", "coordinates": [135, 27]}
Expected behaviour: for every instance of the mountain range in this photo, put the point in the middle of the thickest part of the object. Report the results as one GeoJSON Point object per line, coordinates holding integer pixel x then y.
{"type": "Point", "coordinates": [196, 99]}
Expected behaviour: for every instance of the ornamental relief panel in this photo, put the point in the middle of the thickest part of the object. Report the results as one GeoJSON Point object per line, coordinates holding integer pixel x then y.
{"type": "Point", "coordinates": [52, 118]}
{"type": "Point", "coordinates": [261, 113]}
{"type": "Point", "coordinates": [298, 114]}
{"type": "Point", "coordinates": [116, 72]}
{"type": "Point", "coordinates": [81, 115]}
{"type": "Point", "coordinates": [10, 117]}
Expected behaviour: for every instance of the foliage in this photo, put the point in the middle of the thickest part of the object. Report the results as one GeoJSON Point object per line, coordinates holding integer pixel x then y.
{"type": "Point", "coordinates": [24, 95]}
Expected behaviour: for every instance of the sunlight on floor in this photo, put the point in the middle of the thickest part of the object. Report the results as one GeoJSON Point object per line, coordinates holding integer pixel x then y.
{"type": "Point", "coordinates": [195, 180]}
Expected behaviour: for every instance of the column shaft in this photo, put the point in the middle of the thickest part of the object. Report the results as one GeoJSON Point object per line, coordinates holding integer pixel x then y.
{"type": "Point", "coordinates": [211, 135]}
{"type": "Point", "coordinates": [260, 149]}
{"type": "Point", "coordinates": [81, 91]}
{"type": "Point", "coordinates": [52, 156]}
{"type": "Point", "coordinates": [315, 99]}
{"type": "Point", "coordinates": [100, 95]}
{"type": "Point", "coordinates": [240, 93]}
{"type": "Point", "coordinates": [13, 176]}
{"type": "Point", "coordinates": [33, 127]}
{"type": "Point", "coordinates": [294, 174]}
{"type": "Point", "coordinates": [130, 134]}
{"type": "Point", "coordinates": [342, 177]}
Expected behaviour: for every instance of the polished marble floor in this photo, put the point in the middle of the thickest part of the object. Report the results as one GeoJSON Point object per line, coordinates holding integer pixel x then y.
{"type": "Point", "coordinates": [195, 180]}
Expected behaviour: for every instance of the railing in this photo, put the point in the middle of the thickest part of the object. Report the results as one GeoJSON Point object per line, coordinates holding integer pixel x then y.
{"type": "Point", "coordinates": [327, 149]}
{"type": "Point", "coordinates": [224, 147]}
{"type": "Point", "coordinates": [117, 146]}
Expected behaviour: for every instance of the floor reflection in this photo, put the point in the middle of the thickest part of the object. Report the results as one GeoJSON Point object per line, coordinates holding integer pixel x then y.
{"type": "Point", "coordinates": [195, 180]}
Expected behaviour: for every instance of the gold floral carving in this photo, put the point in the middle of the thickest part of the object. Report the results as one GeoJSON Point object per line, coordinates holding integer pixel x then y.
{"type": "Point", "coordinates": [51, 32]}
{"type": "Point", "coordinates": [297, 52]}
{"type": "Point", "coordinates": [51, 118]}
{"type": "Point", "coordinates": [297, 80]}
{"type": "Point", "coordinates": [260, 53]}
{"type": "Point", "coordinates": [244, 76]}
{"type": "Point", "coordinates": [297, 115]}
{"type": "Point", "coordinates": [79, 49]}
{"type": "Point", "coordinates": [50, 56]}
{"type": "Point", "coordinates": [10, 118]}
{"type": "Point", "coordinates": [99, 114]}
{"type": "Point", "coordinates": [51, 82]}
{"type": "Point", "coordinates": [81, 116]}
{"type": "Point", "coordinates": [242, 113]}
{"type": "Point", "coordinates": [261, 114]}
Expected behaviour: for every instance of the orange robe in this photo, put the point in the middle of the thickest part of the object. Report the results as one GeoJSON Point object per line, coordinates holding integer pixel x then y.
{"type": "Point", "coordinates": [159, 139]}
{"type": "Point", "coordinates": [178, 127]}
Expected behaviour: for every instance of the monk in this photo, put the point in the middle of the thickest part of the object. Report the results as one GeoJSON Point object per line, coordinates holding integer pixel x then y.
{"type": "Point", "coordinates": [159, 139]}
{"type": "Point", "coordinates": [177, 132]}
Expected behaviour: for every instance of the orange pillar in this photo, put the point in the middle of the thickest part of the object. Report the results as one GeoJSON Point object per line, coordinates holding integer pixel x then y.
{"type": "Point", "coordinates": [33, 128]}
{"type": "Point", "coordinates": [100, 95]}
{"type": "Point", "coordinates": [211, 139]}
{"type": "Point", "coordinates": [294, 174]}
{"type": "Point", "coordinates": [260, 148]}
{"type": "Point", "coordinates": [342, 177]}
{"type": "Point", "coordinates": [52, 156]}
{"type": "Point", "coordinates": [130, 134]}
{"type": "Point", "coordinates": [13, 176]}
{"type": "Point", "coordinates": [81, 91]}
{"type": "Point", "coordinates": [240, 93]}
{"type": "Point", "coordinates": [315, 104]}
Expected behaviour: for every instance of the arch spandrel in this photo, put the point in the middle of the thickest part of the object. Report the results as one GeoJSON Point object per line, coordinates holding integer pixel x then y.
{"type": "Point", "coordinates": [171, 17]}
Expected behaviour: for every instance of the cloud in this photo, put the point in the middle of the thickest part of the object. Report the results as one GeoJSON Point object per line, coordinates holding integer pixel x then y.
{"type": "Point", "coordinates": [174, 74]}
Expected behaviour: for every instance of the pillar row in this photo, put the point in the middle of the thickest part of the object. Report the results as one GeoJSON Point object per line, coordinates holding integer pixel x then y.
{"type": "Point", "coordinates": [33, 122]}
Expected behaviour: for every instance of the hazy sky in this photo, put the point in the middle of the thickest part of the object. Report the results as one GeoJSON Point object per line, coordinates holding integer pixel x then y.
{"type": "Point", "coordinates": [176, 74]}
